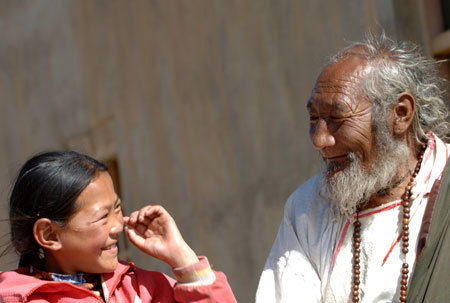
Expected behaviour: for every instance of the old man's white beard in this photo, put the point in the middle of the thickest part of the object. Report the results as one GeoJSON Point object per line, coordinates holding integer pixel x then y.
{"type": "Point", "coordinates": [354, 185]}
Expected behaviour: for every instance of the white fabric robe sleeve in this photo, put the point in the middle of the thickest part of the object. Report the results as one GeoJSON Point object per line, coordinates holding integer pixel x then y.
{"type": "Point", "coordinates": [289, 275]}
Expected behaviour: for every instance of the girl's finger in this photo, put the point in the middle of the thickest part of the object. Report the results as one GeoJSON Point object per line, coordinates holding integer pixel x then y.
{"type": "Point", "coordinates": [141, 229]}
{"type": "Point", "coordinates": [133, 217]}
{"type": "Point", "coordinates": [147, 215]}
{"type": "Point", "coordinates": [136, 239]}
{"type": "Point", "coordinates": [126, 221]}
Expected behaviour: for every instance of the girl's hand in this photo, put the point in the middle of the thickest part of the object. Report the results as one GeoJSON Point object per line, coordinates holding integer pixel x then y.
{"type": "Point", "coordinates": [155, 233]}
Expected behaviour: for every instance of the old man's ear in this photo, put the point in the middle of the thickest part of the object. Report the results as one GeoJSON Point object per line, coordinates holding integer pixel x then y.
{"type": "Point", "coordinates": [403, 114]}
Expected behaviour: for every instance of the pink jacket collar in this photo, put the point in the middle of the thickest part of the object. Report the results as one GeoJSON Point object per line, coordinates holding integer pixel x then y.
{"type": "Point", "coordinates": [18, 283]}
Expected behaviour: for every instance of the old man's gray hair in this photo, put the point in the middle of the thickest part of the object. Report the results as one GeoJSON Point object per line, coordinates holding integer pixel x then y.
{"type": "Point", "coordinates": [400, 67]}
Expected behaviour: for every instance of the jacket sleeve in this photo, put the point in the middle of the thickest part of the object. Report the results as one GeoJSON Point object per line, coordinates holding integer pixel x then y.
{"type": "Point", "coordinates": [199, 283]}
{"type": "Point", "coordinates": [288, 274]}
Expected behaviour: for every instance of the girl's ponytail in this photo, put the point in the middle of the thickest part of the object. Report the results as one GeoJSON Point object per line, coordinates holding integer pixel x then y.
{"type": "Point", "coordinates": [29, 258]}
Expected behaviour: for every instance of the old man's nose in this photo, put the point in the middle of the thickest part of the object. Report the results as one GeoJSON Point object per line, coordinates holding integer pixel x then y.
{"type": "Point", "coordinates": [321, 136]}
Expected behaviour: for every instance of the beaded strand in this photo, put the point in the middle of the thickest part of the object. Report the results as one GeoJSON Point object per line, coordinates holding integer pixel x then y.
{"type": "Point", "coordinates": [406, 203]}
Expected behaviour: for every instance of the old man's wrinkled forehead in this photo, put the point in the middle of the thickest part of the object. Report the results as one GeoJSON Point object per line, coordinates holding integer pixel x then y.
{"type": "Point", "coordinates": [342, 77]}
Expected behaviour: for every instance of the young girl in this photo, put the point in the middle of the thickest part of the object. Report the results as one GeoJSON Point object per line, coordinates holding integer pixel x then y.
{"type": "Point", "coordinates": [65, 222]}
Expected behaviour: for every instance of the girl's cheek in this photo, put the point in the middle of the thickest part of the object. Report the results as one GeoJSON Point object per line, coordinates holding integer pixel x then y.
{"type": "Point", "coordinates": [96, 233]}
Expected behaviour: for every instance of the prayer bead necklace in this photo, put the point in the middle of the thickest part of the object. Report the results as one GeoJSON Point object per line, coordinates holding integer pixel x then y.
{"type": "Point", "coordinates": [406, 203]}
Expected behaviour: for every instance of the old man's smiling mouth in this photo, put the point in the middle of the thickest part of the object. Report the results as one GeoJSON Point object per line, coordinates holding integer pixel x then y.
{"type": "Point", "coordinates": [336, 158]}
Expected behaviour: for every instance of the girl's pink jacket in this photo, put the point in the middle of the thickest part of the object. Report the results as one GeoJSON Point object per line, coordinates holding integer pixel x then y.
{"type": "Point", "coordinates": [127, 283]}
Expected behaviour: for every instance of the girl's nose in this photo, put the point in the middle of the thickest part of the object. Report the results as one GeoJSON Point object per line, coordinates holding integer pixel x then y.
{"type": "Point", "coordinates": [117, 226]}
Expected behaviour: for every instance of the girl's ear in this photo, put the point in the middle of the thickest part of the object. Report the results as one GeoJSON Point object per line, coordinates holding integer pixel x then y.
{"type": "Point", "coordinates": [46, 234]}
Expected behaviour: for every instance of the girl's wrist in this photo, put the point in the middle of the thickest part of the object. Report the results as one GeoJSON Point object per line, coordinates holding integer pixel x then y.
{"type": "Point", "coordinates": [199, 273]}
{"type": "Point", "coordinates": [183, 257]}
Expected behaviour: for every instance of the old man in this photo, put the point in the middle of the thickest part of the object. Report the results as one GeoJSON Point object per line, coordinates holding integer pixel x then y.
{"type": "Point", "coordinates": [371, 227]}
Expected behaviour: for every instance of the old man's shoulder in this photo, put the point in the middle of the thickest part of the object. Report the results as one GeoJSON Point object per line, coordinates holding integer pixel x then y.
{"type": "Point", "coordinates": [306, 201]}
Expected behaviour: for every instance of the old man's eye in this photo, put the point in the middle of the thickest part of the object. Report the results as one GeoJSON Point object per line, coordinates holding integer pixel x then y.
{"type": "Point", "coordinates": [336, 118]}
{"type": "Point", "coordinates": [313, 118]}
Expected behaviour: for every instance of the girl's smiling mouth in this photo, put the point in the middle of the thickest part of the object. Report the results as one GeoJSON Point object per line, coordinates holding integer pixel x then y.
{"type": "Point", "coordinates": [111, 248]}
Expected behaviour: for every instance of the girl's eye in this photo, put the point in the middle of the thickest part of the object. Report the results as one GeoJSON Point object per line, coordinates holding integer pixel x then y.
{"type": "Point", "coordinates": [102, 218]}
{"type": "Point", "coordinates": [118, 209]}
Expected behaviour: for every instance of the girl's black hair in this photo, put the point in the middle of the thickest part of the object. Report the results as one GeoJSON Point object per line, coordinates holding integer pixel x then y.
{"type": "Point", "coordinates": [47, 186]}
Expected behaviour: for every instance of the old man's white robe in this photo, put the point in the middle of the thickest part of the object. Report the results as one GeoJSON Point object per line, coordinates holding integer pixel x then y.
{"type": "Point", "coordinates": [311, 259]}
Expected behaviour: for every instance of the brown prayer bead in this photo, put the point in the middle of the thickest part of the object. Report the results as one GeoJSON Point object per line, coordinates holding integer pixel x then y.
{"type": "Point", "coordinates": [406, 203]}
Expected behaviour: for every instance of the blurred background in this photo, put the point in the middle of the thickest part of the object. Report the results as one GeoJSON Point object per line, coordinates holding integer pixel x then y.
{"type": "Point", "coordinates": [197, 105]}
